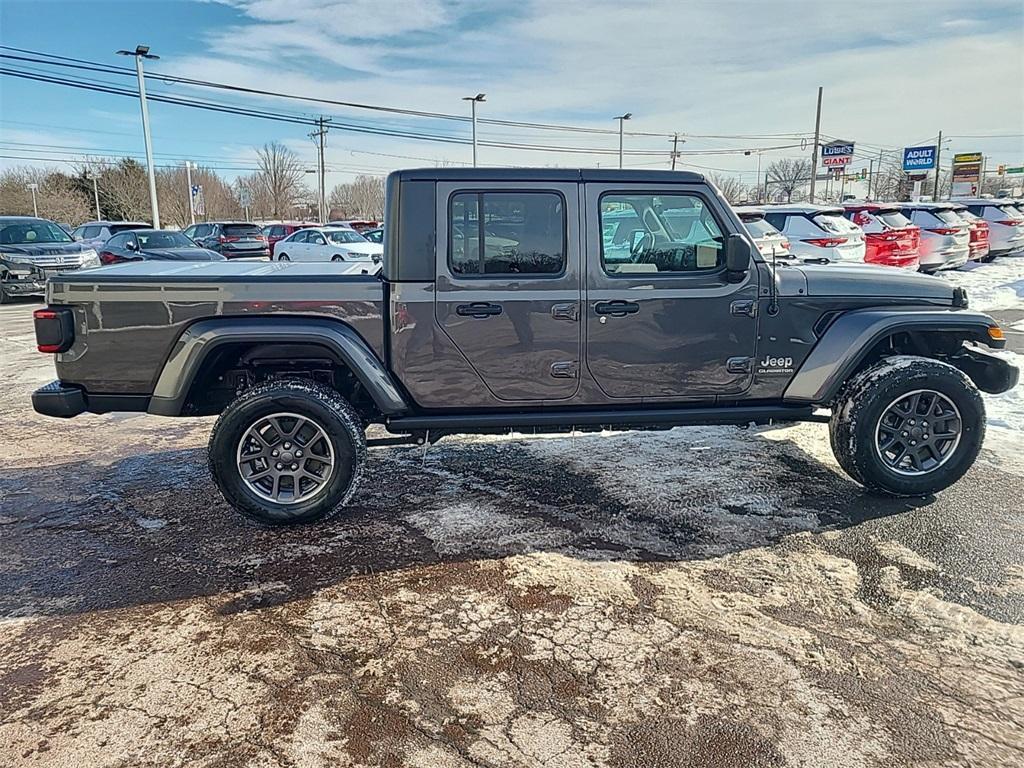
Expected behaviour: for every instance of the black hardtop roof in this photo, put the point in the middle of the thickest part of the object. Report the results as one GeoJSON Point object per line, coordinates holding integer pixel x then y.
{"type": "Point", "coordinates": [610, 175]}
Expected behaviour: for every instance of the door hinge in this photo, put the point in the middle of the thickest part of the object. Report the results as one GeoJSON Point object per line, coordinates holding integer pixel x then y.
{"type": "Point", "coordinates": [567, 369]}
{"type": "Point", "coordinates": [746, 307]}
{"type": "Point", "coordinates": [738, 365]}
{"type": "Point", "coordinates": [570, 311]}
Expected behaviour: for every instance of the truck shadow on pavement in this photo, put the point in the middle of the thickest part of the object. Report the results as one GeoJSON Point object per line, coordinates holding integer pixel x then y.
{"type": "Point", "coordinates": [152, 528]}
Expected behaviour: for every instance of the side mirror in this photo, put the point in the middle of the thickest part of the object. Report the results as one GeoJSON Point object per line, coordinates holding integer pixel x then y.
{"type": "Point", "coordinates": [130, 246]}
{"type": "Point", "coordinates": [737, 257]}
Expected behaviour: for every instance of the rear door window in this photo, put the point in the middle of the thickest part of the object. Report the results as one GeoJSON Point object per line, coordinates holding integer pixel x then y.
{"type": "Point", "coordinates": [507, 233]}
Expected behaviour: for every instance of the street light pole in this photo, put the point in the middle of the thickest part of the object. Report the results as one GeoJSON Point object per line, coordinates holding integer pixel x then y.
{"type": "Point", "coordinates": [142, 52]}
{"type": "Point", "coordinates": [622, 121]}
{"type": "Point", "coordinates": [35, 207]}
{"type": "Point", "coordinates": [95, 193]}
{"type": "Point", "coordinates": [817, 138]}
{"type": "Point", "coordinates": [473, 101]}
{"type": "Point", "coordinates": [191, 200]}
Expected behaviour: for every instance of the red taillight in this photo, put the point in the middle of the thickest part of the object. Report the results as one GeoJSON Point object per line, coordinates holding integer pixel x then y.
{"type": "Point", "coordinates": [1011, 222]}
{"type": "Point", "coordinates": [54, 329]}
{"type": "Point", "coordinates": [944, 230]}
{"type": "Point", "coordinates": [826, 242]}
{"type": "Point", "coordinates": [106, 257]}
{"type": "Point", "coordinates": [44, 314]}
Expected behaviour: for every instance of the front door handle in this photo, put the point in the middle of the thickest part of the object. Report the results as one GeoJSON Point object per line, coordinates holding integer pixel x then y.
{"type": "Point", "coordinates": [479, 309]}
{"type": "Point", "coordinates": [616, 308]}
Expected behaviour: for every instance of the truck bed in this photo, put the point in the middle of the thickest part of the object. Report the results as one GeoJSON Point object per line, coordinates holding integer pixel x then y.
{"type": "Point", "coordinates": [128, 316]}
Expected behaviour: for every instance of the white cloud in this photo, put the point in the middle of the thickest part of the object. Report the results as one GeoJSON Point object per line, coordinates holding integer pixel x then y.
{"type": "Point", "coordinates": [894, 73]}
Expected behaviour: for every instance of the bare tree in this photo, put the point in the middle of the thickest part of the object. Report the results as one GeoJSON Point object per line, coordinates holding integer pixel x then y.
{"type": "Point", "coordinates": [219, 199]}
{"type": "Point", "coordinates": [278, 182]}
{"type": "Point", "coordinates": [58, 196]}
{"type": "Point", "coordinates": [731, 187]}
{"type": "Point", "coordinates": [786, 176]}
{"type": "Point", "coordinates": [362, 198]}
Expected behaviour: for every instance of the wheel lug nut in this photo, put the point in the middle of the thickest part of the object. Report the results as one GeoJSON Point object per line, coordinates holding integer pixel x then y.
{"type": "Point", "coordinates": [275, 452]}
{"type": "Point", "coordinates": [906, 434]}
{"type": "Point", "coordinates": [294, 467]}
{"type": "Point", "coordinates": [280, 465]}
{"type": "Point", "coordinates": [299, 454]}
{"type": "Point", "coordinates": [913, 442]}
{"type": "Point", "coordinates": [289, 445]}
{"type": "Point", "coordinates": [911, 421]}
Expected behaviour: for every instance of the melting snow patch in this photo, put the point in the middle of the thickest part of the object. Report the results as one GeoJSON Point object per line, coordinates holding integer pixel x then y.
{"type": "Point", "coordinates": [991, 287]}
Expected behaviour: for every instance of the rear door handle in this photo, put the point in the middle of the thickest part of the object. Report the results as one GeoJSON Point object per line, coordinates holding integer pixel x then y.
{"type": "Point", "coordinates": [616, 308]}
{"type": "Point", "coordinates": [479, 309]}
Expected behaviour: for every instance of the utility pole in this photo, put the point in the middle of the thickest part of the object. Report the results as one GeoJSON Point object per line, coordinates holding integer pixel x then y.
{"type": "Point", "coordinates": [319, 136]}
{"type": "Point", "coordinates": [191, 200]}
{"type": "Point", "coordinates": [675, 150]}
{"type": "Point", "coordinates": [757, 178]}
{"type": "Point", "coordinates": [938, 168]}
{"type": "Point", "coordinates": [142, 52]}
{"type": "Point", "coordinates": [871, 175]}
{"type": "Point", "coordinates": [622, 121]}
{"type": "Point", "coordinates": [473, 101]}
{"type": "Point", "coordinates": [35, 207]}
{"type": "Point", "coordinates": [817, 137]}
{"type": "Point", "coordinates": [95, 192]}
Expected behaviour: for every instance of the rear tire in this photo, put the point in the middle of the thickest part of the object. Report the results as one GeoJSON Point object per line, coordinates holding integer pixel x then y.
{"type": "Point", "coordinates": [5, 298]}
{"type": "Point", "coordinates": [283, 257]}
{"type": "Point", "coordinates": [320, 452]}
{"type": "Point", "coordinates": [908, 426]}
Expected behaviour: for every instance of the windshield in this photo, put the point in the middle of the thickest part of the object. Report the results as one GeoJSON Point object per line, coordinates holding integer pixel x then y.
{"type": "Point", "coordinates": [156, 240]}
{"type": "Point", "coordinates": [893, 219]}
{"type": "Point", "coordinates": [345, 236]}
{"type": "Point", "coordinates": [31, 232]}
{"type": "Point", "coordinates": [760, 228]}
{"type": "Point", "coordinates": [947, 216]}
{"type": "Point", "coordinates": [242, 230]}
{"type": "Point", "coordinates": [835, 223]}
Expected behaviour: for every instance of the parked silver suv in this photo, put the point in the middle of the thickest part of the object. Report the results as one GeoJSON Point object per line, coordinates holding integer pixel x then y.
{"type": "Point", "coordinates": [95, 233]}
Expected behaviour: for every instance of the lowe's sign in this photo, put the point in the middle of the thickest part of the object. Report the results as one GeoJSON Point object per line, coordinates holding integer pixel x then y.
{"type": "Point", "coordinates": [919, 158]}
{"type": "Point", "coordinates": [837, 154]}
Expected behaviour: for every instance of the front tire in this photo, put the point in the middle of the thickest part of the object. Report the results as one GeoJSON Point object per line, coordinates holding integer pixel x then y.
{"type": "Point", "coordinates": [908, 426]}
{"type": "Point", "coordinates": [283, 257]}
{"type": "Point", "coordinates": [337, 258]}
{"type": "Point", "coordinates": [287, 452]}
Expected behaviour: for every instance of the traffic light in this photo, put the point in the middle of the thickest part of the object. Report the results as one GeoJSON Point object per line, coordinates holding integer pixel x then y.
{"type": "Point", "coordinates": [863, 173]}
{"type": "Point", "coordinates": [1001, 170]}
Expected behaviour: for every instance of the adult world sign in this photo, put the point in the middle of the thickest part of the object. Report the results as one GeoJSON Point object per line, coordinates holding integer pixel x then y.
{"type": "Point", "coordinates": [918, 159]}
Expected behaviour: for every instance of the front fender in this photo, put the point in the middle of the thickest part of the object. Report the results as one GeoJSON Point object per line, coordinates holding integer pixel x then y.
{"type": "Point", "coordinates": [849, 339]}
{"type": "Point", "coordinates": [198, 340]}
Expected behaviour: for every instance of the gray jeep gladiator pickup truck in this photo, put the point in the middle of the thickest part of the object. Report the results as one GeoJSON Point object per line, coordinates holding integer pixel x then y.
{"type": "Point", "coordinates": [527, 300]}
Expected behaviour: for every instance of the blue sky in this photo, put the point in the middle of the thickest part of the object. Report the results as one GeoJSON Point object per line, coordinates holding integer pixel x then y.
{"type": "Point", "coordinates": [894, 74]}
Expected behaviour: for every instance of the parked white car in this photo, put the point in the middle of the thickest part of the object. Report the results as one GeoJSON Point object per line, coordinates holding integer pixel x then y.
{"type": "Point", "coordinates": [945, 237]}
{"type": "Point", "coordinates": [327, 244]}
{"type": "Point", "coordinates": [818, 232]}
{"type": "Point", "coordinates": [767, 238]}
{"type": "Point", "coordinates": [1005, 224]}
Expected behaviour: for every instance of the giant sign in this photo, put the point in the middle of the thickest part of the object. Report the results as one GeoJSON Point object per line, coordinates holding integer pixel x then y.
{"type": "Point", "coordinates": [837, 154]}
{"type": "Point", "coordinates": [918, 159]}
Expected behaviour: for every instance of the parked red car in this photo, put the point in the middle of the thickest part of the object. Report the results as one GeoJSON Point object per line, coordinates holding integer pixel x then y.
{"type": "Point", "coordinates": [979, 234]}
{"type": "Point", "coordinates": [889, 237]}
{"type": "Point", "coordinates": [275, 232]}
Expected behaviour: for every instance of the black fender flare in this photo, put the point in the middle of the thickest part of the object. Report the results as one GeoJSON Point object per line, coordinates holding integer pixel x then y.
{"type": "Point", "coordinates": [199, 339]}
{"type": "Point", "coordinates": [851, 336]}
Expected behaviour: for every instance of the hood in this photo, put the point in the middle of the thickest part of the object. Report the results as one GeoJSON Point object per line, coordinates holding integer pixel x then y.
{"type": "Point", "coordinates": [181, 254]}
{"type": "Point", "coordinates": [43, 249]}
{"type": "Point", "coordinates": [363, 249]}
{"type": "Point", "coordinates": [869, 280]}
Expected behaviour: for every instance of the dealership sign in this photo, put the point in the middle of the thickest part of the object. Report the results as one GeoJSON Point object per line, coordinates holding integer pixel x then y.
{"type": "Point", "coordinates": [837, 154]}
{"type": "Point", "coordinates": [918, 159]}
{"type": "Point", "coordinates": [967, 157]}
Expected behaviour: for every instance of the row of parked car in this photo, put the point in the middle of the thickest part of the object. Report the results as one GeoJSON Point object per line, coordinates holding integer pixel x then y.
{"type": "Point", "coordinates": [924, 235]}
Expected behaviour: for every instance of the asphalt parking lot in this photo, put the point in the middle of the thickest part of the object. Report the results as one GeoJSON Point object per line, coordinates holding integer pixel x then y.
{"type": "Point", "coordinates": [706, 596]}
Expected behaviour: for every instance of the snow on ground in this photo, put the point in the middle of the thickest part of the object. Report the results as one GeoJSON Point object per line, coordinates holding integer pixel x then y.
{"type": "Point", "coordinates": [992, 287]}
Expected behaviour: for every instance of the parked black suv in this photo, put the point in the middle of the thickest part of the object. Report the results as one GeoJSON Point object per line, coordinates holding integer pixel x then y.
{"type": "Point", "coordinates": [233, 239]}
